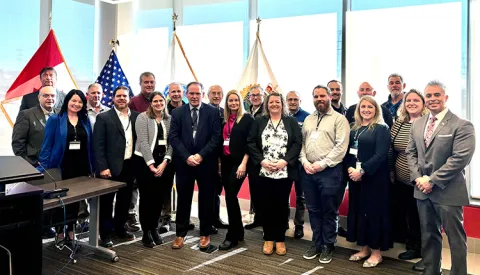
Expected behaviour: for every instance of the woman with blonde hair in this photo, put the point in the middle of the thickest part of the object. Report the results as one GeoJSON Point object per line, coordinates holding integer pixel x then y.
{"type": "Point", "coordinates": [234, 159]}
{"type": "Point", "coordinates": [369, 215]}
{"type": "Point", "coordinates": [405, 220]}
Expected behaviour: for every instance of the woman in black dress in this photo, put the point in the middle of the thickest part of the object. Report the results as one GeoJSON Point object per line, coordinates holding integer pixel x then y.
{"type": "Point", "coordinates": [234, 159]}
{"type": "Point", "coordinates": [67, 145]}
{"type": "Point", "coordinates": [367, 162]}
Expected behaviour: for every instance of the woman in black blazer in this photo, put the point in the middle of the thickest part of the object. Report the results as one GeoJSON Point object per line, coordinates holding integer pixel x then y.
{"type": "Point", "coordinates": [274, 144]}
{"type": "Point", "coordinates": [234, 160]}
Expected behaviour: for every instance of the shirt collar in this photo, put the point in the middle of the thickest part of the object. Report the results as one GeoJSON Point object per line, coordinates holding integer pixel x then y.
{"type": "Point", "coordinates": [45, 112]}
{"type": "Point", "coordinates": [296, 112]}
{"type": "Point", "coordinates": [91, 108]}
{"type": "Point", "coordinates": [329, 112]}
{"type": "Point", "coordinates": [120, 114]}
{"type": "Point", "coordinates": [198, 107]}
{"type": "Point", "coordinates": [440, 115]}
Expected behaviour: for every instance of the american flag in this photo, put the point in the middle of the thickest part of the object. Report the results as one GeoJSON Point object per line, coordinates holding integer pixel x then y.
{"type": "Point", "coordinates": [110, 78]}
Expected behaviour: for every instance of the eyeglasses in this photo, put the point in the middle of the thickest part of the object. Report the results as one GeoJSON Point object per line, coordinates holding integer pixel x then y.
{"type": "Point", "coordinates": [48, 96]}
{"type": "Point", "coordinates": [255, 95]}
{"type": "Point", "coordinates": [335, 89]}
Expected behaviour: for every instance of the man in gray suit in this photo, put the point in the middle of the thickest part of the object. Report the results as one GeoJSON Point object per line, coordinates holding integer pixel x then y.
{"type": "Point", "coordinates": [48, 77]}
{"type": "Point", "coordinates": [441, 146]}
{"type": "Point", "coordinates": [28, 130]}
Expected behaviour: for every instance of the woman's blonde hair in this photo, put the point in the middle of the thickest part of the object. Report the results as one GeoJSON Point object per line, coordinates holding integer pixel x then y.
{"type": "Point", "coordinates": [377, 118]}
{"type": "Point", "coordinates": [404, 116]}
{"type": "Point", "coordinates": [266, 111]}
{"type": "Point", "coordinates": [227, 112]}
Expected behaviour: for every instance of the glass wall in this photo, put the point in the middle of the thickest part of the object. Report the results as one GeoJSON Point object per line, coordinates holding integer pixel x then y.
{"type": "Point", "coordinates": [475, 93]}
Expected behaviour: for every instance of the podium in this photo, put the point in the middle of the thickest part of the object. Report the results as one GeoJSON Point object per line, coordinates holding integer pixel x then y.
{"type": "Point", "coordinates": [21, 212]}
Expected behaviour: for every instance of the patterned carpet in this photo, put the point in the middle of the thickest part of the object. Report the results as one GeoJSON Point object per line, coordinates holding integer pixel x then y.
{"type": "Point", "coordinates": [247, 258]}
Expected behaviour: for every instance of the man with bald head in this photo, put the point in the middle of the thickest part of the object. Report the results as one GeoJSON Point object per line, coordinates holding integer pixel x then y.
{"type": "Point", "coordinates": [367, 89]}
{"type": "Point", "coordinates": [94, 102]}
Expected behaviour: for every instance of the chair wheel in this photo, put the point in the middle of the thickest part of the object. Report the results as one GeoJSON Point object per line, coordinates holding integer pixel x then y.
{"type": "Point", "coordinates": [115, 259]}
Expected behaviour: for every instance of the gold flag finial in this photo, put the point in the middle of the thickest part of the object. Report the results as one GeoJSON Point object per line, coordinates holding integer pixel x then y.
{"type": "Point", "coordinates": [258, 23]}
{"type": "Point", "coordinates": [114, 43]}
{"type": "Point", "coordinates": [174, 18]}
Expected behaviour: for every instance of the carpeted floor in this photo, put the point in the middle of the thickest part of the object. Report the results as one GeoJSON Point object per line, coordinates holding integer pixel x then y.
{"type": "Point", "coordinates": [247, 258]}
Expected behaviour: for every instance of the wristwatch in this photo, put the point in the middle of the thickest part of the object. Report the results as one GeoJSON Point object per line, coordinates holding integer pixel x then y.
{"type": "Point", "coordinates": [362, 171]}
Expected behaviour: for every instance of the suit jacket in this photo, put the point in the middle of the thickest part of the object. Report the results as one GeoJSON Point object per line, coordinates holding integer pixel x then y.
{"type": "Point", "coordinates": [387, 116]}
{"type": "Point", "coordinates": [444, 161]}
{"type": "Point", "coordinates": [109, 141]}
{"type": "Point", "coordinates": [28, 133]}
{"type": "Point", "coordinates": [147, 132]}
{"type": "Point", "coordinates": [55, 142]}
{"type": "Point", "coordinates": [238, 138]}
{"type": "Point", "coordinates": [294, 144]}
{"type": "Point", "coordinates": [31, 100]}
{"type": "Point", "coordinates": [207, 138]}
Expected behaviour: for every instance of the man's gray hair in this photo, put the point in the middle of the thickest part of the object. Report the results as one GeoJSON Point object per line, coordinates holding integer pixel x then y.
{"type": "Point", "coordinates": [94, 84]}
{"type": "Point", "coordinates": [395, 75]}
{"type": "Point", "coordinates": [295, 92]}
{"type": "Point", "coordinates": [175, 83]}
{"type": "Point", "coordinates": [256, 87]}
{"type": "Point", "coordinates": [213, 86]}
{"type": "Point", "coordinates": [437, 83]}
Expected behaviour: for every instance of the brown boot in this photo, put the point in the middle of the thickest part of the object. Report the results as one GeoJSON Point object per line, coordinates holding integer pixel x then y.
{"type": "Point", "coordinates": [268, 248]}
{"type": "Point", "coordinates": [178, 242]}
{"type": "Point", "coordinates": [280, 248]}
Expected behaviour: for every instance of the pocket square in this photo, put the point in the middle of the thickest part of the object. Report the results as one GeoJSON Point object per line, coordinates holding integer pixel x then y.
{"type": "Point", "coordinates": [449, 135]}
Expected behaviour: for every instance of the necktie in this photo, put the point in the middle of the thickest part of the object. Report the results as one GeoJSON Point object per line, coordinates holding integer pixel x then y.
{"type": "Point", "coordinates": [431, 126]}
{"type": "Point", "coordinates": [194, 119]}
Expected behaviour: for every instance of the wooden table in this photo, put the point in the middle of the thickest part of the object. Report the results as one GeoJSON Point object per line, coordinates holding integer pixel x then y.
{"type": "Point", "coordinates": [86, 188]}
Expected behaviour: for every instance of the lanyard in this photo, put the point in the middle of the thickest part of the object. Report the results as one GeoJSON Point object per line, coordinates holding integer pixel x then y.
{"type": "Point", "coordinates": [129, 122]}
{"type": "Point", "coordinates": [319, 119]}
{"type": "Point", "coordinates": [357, 135]}
{"type": "Point", "coordinates": [273, 125]}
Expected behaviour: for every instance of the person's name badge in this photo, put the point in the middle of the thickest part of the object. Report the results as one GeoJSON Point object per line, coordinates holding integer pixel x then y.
{"type": "Point", "coordinates": [315, 135]}
{"type": "Point", "coordinates": [74, 145]}
{"type": "Point", "coordinates": [358, 165]}
{"type": "Point", "coordinates": [162, 142]}
{"type": "Point", "coordinates": [353, 151]}
{"type": "Point", "coordinates": [226, 142]}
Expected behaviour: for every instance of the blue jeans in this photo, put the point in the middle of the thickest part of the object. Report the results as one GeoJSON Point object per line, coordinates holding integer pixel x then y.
{"type": "Point", "coordinates": [322, 197]}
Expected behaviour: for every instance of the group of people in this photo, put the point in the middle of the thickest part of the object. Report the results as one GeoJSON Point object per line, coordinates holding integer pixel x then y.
{"type": "Point", "coordinates": [403, 161]}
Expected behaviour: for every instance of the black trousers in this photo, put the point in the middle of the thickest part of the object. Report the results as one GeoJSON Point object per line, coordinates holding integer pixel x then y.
{"type": "Point", "coordinates": [167, 199]}
{"type": "Point", "coordinates": [255, 185]}
{"type": "Point", "coordinates": [405, 219]}
{"type": "Point", "coordinates": [232, 186]}
{"type": "Point", "coordinates": [152, 192]}
{"type": "Point", "coordinates": [274, 207]}
{"type": "Point", "coordinates": [186, 176]}
{"type": "Point", "coordinates": [218, 181]}
{"type": "Point", "coordinates": [122, 203]}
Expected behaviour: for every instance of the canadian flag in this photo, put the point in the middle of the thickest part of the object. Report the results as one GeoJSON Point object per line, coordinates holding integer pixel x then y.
{"type": "Point", "coordinates": [48, 55]}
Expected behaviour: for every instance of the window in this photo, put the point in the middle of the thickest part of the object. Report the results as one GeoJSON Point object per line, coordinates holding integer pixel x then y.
{"type": "Point", "coordinates": [300, 41]}
{"type": "Point", "coordinates": [382, 40]}
{"type": "Point", "coordinates": [475, 94]}
{"type": "Point", "coordinates": [73, 22]}
{"type": "Point", "coordinates": [19, 43]}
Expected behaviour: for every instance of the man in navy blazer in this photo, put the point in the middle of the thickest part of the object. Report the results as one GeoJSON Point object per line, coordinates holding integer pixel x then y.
{"type": "Point", "coordinates": [195, 138]}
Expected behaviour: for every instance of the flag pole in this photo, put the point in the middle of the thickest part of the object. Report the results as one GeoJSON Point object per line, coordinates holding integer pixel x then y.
{"type": "Point", "coordinates": [6, 114]}
{"type": "Point", "coordinates": [175, 36]}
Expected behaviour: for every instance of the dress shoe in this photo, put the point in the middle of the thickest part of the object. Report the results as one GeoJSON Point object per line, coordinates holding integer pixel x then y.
{"type": "Point", "coordinates": [132, 224]}
{"type": "Point", "coordinates": [220, 224]}
{"type": "Point", "coordinates": [204, 242]}
{"type": "Point", "coordinates": [252, 225]}
{"type": "Point", "coordinates": [49, 233]}
{"type": "Point", "coordinates": [125, 235]}
{"type": "Point", "coordinates": [227, 245]}
{"type": "Point", "coordinates": [83, 227]}
{"type": "Point", "coordinates": [147, 240]}
{"type": "Point", "coordinates": [178, 242]}
{"type": "Point", "coordinates": [214, 230]}
{"type": "Point", "coordinates": [268, 247]}
{"type": "Point", "coordinates": [342, 232]}
{"type": "Point", "coordinates": [419, 266]}
{"type": "Point", "coordinates": [298, 232]}
{"type": "Point", "coordinates": [280, 248]}
{"type": "Point", "coordinates": [157, 239]}
{"type": "Point", "coordinates": [164, 228]}
{"type": "Point", "coordinates": [410, 255]}
{"type": "Point", "coordinates": [191, 226]}
{"type": "Point", "coordinates": [106, 242]}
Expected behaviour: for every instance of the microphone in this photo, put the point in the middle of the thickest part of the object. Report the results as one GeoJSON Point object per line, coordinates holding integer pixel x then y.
{"type": "Point", "coordinates": [56, 192]}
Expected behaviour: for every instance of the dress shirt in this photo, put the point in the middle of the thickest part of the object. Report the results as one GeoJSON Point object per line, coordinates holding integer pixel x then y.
{"type": "Point", "coordinates": [127, 127]}
{"type": "Point", "coordinates": [198, 115]}
{"type": "Point", "coordinates": [439, 117]}
{"type": "Point", "coordinates": [92, 113]}
{"type": "Point", "coordinates": [47, 114]}
{"type": "Point", "coordinates": [327, 142]}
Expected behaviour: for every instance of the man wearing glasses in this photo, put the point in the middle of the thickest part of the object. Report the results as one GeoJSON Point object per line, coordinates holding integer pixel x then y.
{"type": "Point", "coordinates": [337, 91]}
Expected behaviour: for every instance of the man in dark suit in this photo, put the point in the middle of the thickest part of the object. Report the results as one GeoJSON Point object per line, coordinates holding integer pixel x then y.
{"type": "Point", "coordinates": [28, 130]}
{"type": "Point", "coordinates": [367, 89]}
{"type": "Point", "coordinates": [113, 142]}
{"type": "Point", "coordinates": [441, 146]}
{"type": "Point", "coordinates": [215, 96]}
{"type": "Point", "coordinates": [195, 138]}
{"type": "Point", "coordinates": [48, 77]}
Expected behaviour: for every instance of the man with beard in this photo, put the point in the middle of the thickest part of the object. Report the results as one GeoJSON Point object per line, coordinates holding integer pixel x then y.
{"type": "Point", "coordinates": [139, 103]}
{"type": "Point", "coordinates": [294, 109]}
{"type": "Point", "coordinates": [395, 99]}
{"type": "Point", "coordinates": [326, 137]}
{"type": "Point", "coordinates": [367, 89]}
{"type": "Point", "coordinates": [48, 77]}
{"type": "Point", "coordinates": [337, 91]}
{"type": "Point", "coordinates": [113, 143]}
